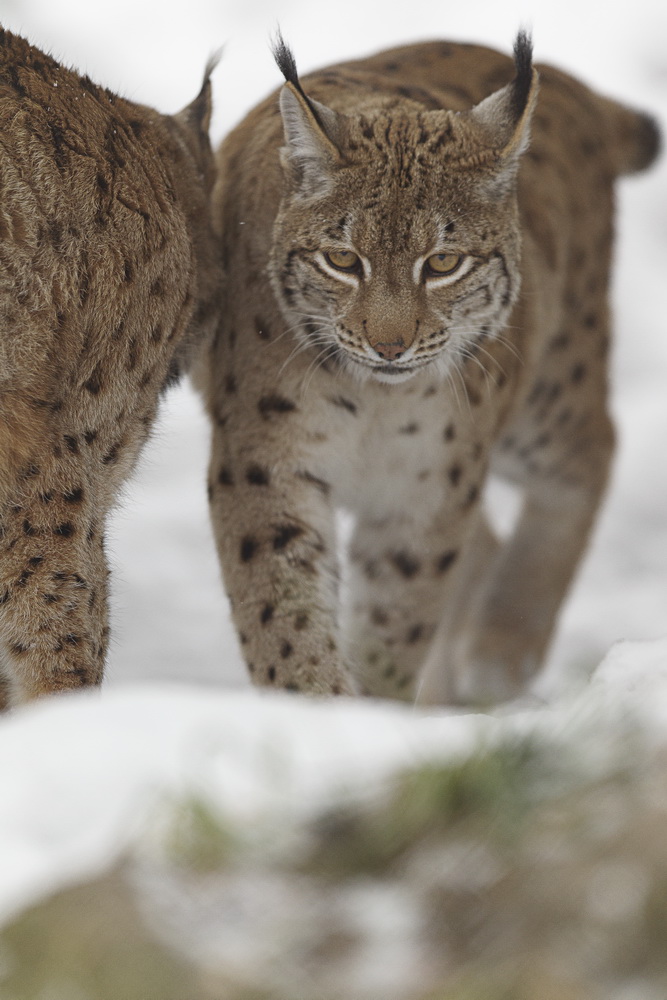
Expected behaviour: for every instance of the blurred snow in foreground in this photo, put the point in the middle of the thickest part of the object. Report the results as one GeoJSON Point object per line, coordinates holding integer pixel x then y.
{"type": "Point", "coordinates": [279, 847]}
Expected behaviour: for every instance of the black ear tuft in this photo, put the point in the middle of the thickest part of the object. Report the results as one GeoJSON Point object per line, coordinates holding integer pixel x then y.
{"type": "Point", "coordinates": [523, 60]}
{"type": "Point", "coordinates": [285, 60]}
{"type": "Point", "coordinates": [284, 57]}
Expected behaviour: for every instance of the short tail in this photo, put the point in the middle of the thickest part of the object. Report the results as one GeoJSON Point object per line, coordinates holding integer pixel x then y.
{"type": "Point", "coordinates": [635, 139]}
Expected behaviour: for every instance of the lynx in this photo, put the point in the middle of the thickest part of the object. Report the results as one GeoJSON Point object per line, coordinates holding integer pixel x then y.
{"type": "Point", "coordinates": [417, 250]}
{"type": "Point", "coordinates": [109, 273]}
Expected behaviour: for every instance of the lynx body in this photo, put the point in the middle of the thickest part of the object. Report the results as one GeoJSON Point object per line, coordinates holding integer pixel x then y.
{"type": "Point", "coordinates": [417, 250]}
{"type": "Point", "coordinates": [109, 273]}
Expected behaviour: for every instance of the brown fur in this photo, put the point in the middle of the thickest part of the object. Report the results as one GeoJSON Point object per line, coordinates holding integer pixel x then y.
{"type": "Point", "coordinates": [108, 277]}
{"type": "Point", "coordinates": [503, 364]}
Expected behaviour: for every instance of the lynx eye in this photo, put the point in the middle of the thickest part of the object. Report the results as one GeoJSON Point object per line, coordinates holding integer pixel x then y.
{"type": "Point", "coordinates": [343, 260]}
{"type": "Point", "coordinates": [441, 264]}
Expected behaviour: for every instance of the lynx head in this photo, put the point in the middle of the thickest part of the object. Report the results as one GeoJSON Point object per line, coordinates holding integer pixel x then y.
{"type": "Point", "coordinates": [396, 245]}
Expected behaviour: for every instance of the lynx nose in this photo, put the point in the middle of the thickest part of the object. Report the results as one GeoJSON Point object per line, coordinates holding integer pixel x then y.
{"type": "Point", "coordinates": [390, 352]}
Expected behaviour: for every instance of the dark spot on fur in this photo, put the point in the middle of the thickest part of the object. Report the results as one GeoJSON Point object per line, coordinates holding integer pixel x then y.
{"type": "Point", "coordinates": [473, 494]}
{"type": "Point", "coordinates": [578, 373]}
{"type": "Point", "coordinates": [344, 404]}
{"type": "Point", "coordinates": [94, 383]}
{"type": "Point", "coordinates": [28, 529]}
{"type": "Point", "coordinates": [415, 634]}
{"type": "Point", "coordinates": [72, 443]}
{"type": "Point", "coordinates": [320, 484]}
{"type": "Point", "coordinates": [286, 533]}
{"type": "Point", "coordinates": [74, 496]}
{"type": "Point", "coordinates": [249, 546]}
{"type": "Point", "coordinates": [446, 560]}
{"type": "Point", "coordinates": [132, 355]}
{"type": "Point", "coordinates": [64, 530]}
{"type": "Point", "coordinates": [266, 613]}
{"type": "Point", "coordinates": [406, 564]}
{"type": "Point", "coordinates": [271, 674]}
{"type": "Point", "coordinates": [454, 475]}
{"type": "Point", "coordinates": [225, 477]}
{"type": "Point", "coordinates": [379, 617]}
{"type": "Point", "coordinates": [257, 475]}
{"type": "Point", "coordinates": [301, 622]}
{"type": "Point", "coordinates": [560, 342]}
{"type": "Point", "coordinates": [450, 432]}
{"type": "Point", "coordinates": [286, 649]}
{"type": "Point", "coordinates": [275, 404]}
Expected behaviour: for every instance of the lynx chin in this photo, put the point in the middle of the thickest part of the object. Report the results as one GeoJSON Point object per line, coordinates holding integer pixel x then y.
{"type": "Point", "coordinates": [416, 250]}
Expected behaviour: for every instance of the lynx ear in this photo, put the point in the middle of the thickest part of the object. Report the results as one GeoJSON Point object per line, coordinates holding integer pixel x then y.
{"type": "Point", "coordinates": [506, 115]}
{"type": "Point", "coordinates": [312, 131]}
{"type": "Point", "coordinates": [195, 119]}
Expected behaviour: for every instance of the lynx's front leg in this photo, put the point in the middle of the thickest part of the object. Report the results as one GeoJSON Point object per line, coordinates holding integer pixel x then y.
{"type": "Point", "coordinates": [276, 539]}
{"type": "Point", "coordinates": [53, 587]}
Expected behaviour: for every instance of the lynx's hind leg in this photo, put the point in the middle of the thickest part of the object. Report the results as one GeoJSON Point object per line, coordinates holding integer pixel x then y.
{"type": "Point", "coordinates": [515, 611]}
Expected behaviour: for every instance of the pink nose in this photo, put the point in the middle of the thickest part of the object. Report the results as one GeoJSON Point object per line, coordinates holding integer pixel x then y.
{"type": "Point", "coordinates": [390, 352]}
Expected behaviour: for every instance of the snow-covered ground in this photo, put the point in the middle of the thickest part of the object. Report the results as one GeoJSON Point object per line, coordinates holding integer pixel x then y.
{"type": "Point", "coordinates": [77, 777]}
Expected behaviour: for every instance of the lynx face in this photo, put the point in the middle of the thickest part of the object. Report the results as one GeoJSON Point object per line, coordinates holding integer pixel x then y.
{"type": "Point", "coordinates": [380, 261]}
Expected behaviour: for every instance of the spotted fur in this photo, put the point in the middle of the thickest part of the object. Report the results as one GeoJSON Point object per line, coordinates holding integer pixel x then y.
{"type": "Point", "coordinates": [349, 372]}
{"type": "Point", "coordinates": [109, 275]}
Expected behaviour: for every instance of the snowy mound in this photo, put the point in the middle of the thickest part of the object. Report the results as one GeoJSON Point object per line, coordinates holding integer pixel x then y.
{"type": "Point", "coordinates": [184, 844]}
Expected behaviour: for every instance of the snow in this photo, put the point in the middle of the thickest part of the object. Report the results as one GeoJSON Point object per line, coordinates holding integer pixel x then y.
{"type": "Point", "coordinates": [81, 777]}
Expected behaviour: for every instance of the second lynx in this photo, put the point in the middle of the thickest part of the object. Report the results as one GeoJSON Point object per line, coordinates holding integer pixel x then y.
{"type": "Point", "coordinates": [417, 248]}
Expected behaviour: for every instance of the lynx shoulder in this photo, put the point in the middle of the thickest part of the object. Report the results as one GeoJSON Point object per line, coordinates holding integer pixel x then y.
{"type": "Point", "coordinates": [417, 250]}
{"type": "Point", "coordinates": [109, 273]}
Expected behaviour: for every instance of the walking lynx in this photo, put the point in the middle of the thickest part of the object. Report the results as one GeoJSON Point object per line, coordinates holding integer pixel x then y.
{"type": "Point", "coordinates": [108, 273]}
{"type": "Point", "coordinates": [417, 250]}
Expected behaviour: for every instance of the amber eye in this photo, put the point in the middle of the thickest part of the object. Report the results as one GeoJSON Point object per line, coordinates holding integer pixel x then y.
{"type": "Point", "coordinates": [343, 260]}
{"type": "Point", "coordinates": [442, 264]}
